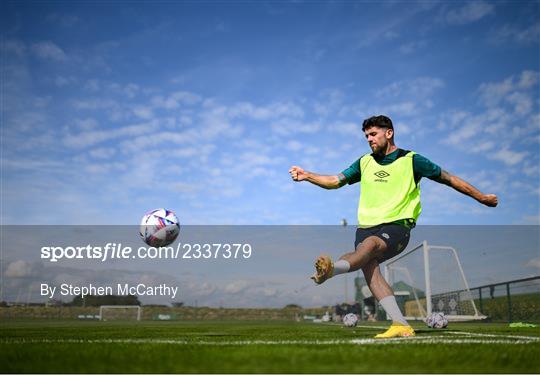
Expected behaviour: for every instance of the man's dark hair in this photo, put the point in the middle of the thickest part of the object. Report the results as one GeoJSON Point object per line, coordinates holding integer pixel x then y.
{"type": "Point", "coordinates": [378, 121]}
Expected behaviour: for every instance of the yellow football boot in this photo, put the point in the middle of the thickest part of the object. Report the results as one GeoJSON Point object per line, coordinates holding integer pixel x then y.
{"type": "Point", "coordinates": [396, 330]}
{"type": "Point", "coordinates": [324, 269]}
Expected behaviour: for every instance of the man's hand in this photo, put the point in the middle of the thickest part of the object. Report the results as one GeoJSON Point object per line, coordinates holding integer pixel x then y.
{"type": "Point", "coordinates": [326, 182]}
{"type": "Point", "coordinates": [490, 200]}
{"type": "Point", "coordinates": [297, 173]}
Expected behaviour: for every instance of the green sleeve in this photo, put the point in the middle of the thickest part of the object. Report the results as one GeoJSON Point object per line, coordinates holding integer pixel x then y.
{"type": "Point", "coordinates": [352, 174]}
{"type": "Point", "coordinates": [423, 167]}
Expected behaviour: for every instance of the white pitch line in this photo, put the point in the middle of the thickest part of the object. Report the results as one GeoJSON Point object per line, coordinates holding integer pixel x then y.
{"type": "Point", "coordinates": [466, 333]}
{"type": "Point", "coordinates": [367, 341]}
{"type": "Point", "coordinates": [530, 338]}
{"type": "Point", "coordinates": [376, 327]}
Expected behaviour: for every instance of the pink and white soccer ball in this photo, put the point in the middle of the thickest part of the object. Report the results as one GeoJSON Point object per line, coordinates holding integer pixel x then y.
{"type": "Point", "coordinates": [159, 227]}
{"type": "Point", "coordinates": [437, 320]}
{"type": "Point", "coordinates": [350, 320]}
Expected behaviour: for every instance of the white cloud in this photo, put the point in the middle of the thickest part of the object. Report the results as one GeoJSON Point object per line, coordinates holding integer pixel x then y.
{"type": "Point", "coordinates": [528, 79]}
{"type": "Point", "coordinates": [484, 146]}
{"type": "Point", "coordinates": [535, 262]}
{"type": "Point", "coordinates": [522, 103]}
{"type": "Point", "coordinates": [494, 92]}
{"type": "Point", "coordinates": [402, 128]}
{"type": "Point", "coordinates": [143, 112]}
{"type": "Point", "coordinates": [347, 128]}
{"type": "Point", "coordinates": [19, 268]}
{"type": "Point", "coordinates": [199, 289]}
{"type": "Point", "coordinates": [508, 157]}
{"type": "Point", "coordinates": [481, 133]}
{"type": "Point", "coordinates": [287, 127]}
{"type": "Point", "coordinates": [102, 152]}
{"type": "Point", "coordinates": [307, 149]}
{"type": "Point", "coordinates": [106, 167]}
{"type": "Point", "coordinates": [64, 81]}
{"type": "Point", "coordinates": [390, 35]}
{"type": "Point", "coordinates": [130, 90]}
{"type": "Point", "coordinates": [400, 109]}
{"type": "Point", "coordinates": [330, 101]}
{"type": "Point", "coordinates": [465, 132]}
{"type": "Point", "coordinates": [185, 187]}
{"type": "Point", "coordinates": [269, 292]}
{"type": "Point", "coordinates": [509, 105]}
{"type": "Point", "coordinates": [515, 34]}
{"type": "Point", "coordinates": [94, 103]}
{"type": "Point", "coordinates": [272, 111]}
{"type": "Point", "coordinates": [185, 120]}
{"type": "Point", "coordinates": [252, 159]}
{"type": "Point", "coordinates": [162, 102]}
{"type": "Point", "coordinates": [236, 287]}
{"type": "Point", "coordinates": [143, 142]}
{"type": "Point", "coordinates": [86, 124]}
{"type": "Point", "coordinates": [48, 51]}
{"type": "Point", "coordinates": [175, 100]}
{"type": "Point", "coordinates": [411, 47]}
{"type": "Point", "coordinates": [89, 138]}
{"type": "Point", "coordinates": [260, 145]}
{"type": "Point", "coordinates": [465, 126]}
{"type": "Point", "coordinates": [419, 88]}
{"type": "Point", "coordinates": [531, 169]}
{"type": "Point", "coordinates": [293, 145]}
{"type": "Point", "coordinates": [188, 152]}
{"type": "Point", "coordinates": [35, 165]}
{"type": "Point", "coordinates": [452, 120]}
{"type": "Point", "coordinates": [472, 11]}
{"type": "Point", "coordinates": [389, 29]}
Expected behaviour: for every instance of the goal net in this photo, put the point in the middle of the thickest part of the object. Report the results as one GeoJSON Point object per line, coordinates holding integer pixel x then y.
{"type": "Point", "coordinates": [430, 279]}
{"type": "Point", "coordinates": [120, 312]}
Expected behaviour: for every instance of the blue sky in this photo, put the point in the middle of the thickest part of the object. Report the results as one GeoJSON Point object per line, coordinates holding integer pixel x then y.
{"type": "Point", "coordinates": [109, 110]}
{"type": "Point", "coordinates": [112, 109]}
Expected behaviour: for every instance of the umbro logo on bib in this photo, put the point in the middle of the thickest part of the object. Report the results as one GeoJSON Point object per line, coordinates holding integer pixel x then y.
{"type": "Point", "coordinates": [382, 175]}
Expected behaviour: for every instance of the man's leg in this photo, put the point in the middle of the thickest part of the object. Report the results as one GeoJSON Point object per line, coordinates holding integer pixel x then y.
{"type": "Point", "coordinates": [384, 294]}
{"type": "Point", "coordinates": [365, 252]}
{"type": "Point", "coordinates": [349, 262]}
{"type": "Point", "coordinates": [382, 242]}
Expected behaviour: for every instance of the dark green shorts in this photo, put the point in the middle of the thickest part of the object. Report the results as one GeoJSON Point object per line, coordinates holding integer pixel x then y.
{"type": "Point", "coordinates": [395, 236]}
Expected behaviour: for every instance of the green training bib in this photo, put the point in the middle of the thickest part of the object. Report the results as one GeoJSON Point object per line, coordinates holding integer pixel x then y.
{"type": "Point", "coordinates": [387, 192]}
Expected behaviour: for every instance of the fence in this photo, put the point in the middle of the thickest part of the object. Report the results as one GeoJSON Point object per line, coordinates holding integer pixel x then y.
{"type": "Point", "coordinates": [516, 300]}
{"type": "Point", "coordinates": [151, 312]}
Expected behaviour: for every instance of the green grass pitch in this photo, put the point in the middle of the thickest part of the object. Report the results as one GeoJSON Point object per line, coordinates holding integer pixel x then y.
{"type": "Point", "coordinates": [261, 347]}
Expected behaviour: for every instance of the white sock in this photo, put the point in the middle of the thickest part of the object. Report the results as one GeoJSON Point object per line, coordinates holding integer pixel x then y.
{"type": "Point", "coordinates": [391, 307]}
{"type": "Point", "coordinates": [341, 266]}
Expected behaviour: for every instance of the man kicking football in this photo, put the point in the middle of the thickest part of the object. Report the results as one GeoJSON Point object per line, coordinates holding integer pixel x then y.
{"type": "Point", "coordinates": [388, 209]}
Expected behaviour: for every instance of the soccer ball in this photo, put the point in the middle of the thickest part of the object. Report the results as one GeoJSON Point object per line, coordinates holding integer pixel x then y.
{"type": "Point", "coordinates": [350, 320]}
{"type": "Point", "coordinates": [437, 320]}
{"type": "Point", "coordinates": [159, 227]}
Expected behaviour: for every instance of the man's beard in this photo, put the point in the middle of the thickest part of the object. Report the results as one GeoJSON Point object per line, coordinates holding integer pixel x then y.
{"type": "Point", "coordinates": [377, 150]}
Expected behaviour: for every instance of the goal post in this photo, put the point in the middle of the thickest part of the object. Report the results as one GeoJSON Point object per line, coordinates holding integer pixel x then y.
{"type": "Point", "coordinates": [120, 312]}
{"type": "Point", "coordinates": [428, 279]}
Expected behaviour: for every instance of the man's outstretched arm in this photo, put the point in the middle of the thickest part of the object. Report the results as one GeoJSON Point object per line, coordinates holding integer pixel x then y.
{"type": "Point", "coordinates": [324, 181]}
{"type": "Point", "coordinates": [464, 187]}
